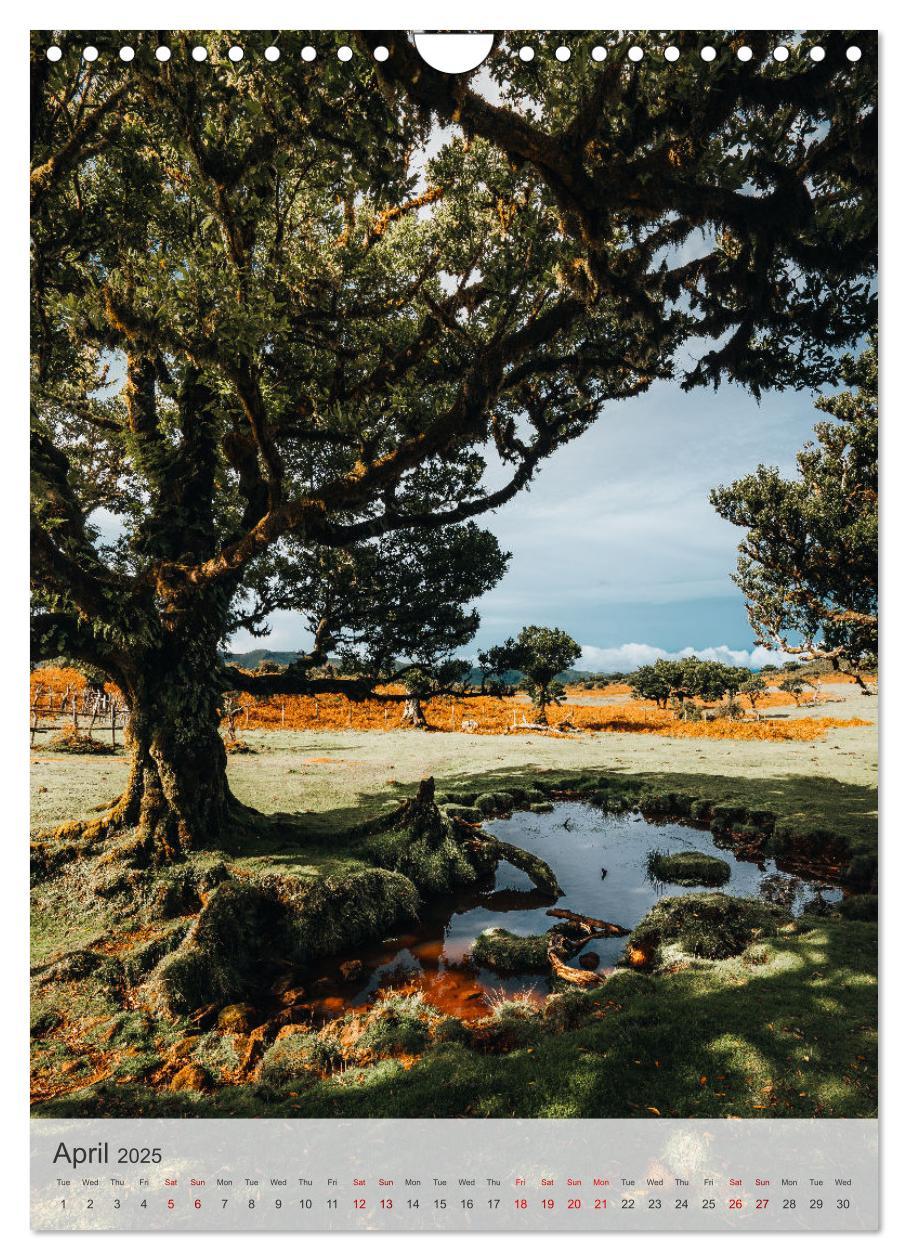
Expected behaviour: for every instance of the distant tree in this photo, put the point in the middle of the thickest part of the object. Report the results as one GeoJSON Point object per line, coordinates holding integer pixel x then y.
{"type": "Point", "coordinates": [654, 682]}
{"type": "Point", "coordinates": [396, 610]}
{"type": "Point", "coordinates": [539, 654]}
{"type": "Point", "coordinates": [753, 687]}
{"type": "Point", "coordinates": [796, 688]}
{"type": "Point", "coordinates": [680, 681]}
{"type": "Point", "coordinates": [808, 561]}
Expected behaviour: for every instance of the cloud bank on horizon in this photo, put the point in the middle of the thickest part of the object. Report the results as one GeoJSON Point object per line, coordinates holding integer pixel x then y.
{"type": "Point", "coordinates": [630, 656]}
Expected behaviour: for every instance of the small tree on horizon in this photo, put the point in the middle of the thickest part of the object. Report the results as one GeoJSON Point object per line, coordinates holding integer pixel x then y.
{"type": "Point", "coordinates": [753, 687]}
{"type": "Point", "coordinates": [397, 610]}
{"type": "Point", "coordinates": [539, 654]}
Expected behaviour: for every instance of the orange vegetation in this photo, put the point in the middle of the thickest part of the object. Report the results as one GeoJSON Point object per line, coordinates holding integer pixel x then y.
{"type": "Point", "coordinates": [57, 680]}
{"type": "Point", "coordinates": [487, 715]}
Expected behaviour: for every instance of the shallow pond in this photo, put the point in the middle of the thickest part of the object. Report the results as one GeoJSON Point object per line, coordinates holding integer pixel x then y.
{"type": "Point", "coordinates": [600, 861]}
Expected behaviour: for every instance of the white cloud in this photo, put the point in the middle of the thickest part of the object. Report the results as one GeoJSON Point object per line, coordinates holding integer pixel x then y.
{"type": "Point", "coordinates": [632, 655]}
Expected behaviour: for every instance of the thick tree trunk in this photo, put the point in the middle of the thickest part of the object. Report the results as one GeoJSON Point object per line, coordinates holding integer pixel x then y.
{"type": "Point", "coordinates": [177, 798]}
{"type": "Point", "coordinates": [413, 714]}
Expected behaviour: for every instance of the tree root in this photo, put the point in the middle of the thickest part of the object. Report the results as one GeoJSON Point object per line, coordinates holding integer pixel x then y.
{"type": "Point", "coordinates": [593, 928]}
{"type": "Point", "coordinates": [542, 875]}
{"type": "Point", "coordinates": [559, 946]}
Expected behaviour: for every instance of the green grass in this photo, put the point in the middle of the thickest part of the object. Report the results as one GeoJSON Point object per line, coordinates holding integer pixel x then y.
{"type": "Point", "coordinates": [787, 1030]}
{"type": "Point", "coordinates": [793, 1013]}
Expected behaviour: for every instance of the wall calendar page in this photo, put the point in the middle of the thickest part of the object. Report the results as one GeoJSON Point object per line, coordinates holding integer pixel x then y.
{"type": "Point", "coordinates": [454, 682]}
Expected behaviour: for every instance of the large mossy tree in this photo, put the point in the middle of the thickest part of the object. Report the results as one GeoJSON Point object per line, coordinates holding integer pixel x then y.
{"type": "Point", "coordinates": [269, 327]}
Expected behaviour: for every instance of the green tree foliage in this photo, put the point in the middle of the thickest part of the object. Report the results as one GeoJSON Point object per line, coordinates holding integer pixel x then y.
{"type": "Point", "coordinates": [538, 654]}
{"type": "Point", "coordinates": [263, 333]}
{"type": "Point", "coordinates": [736, 201]}
{"type": "Point", "coordinates": [396, 609]}
{"type": "Point", "coordinates": [268, 333]}
{"type": "Point", "coordinates": [753, 687]}
{"type": "Point", "coordinates": [808, 560]}
{"type": "Point", "coordinates": [678, 682]}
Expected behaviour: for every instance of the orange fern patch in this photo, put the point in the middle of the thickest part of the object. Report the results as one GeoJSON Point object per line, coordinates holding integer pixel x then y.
{"type": "Point", "coordinates": [489, 715]}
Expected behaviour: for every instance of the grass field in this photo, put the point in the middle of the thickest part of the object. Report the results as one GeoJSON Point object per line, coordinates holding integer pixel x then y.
{"type": "Point", "coordinates": [786, 1028]}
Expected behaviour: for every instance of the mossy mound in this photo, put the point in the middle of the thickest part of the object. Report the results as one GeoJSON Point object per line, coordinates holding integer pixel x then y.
{"type": "Point", "coordinates": [69, 740]}
{"type": "Point", "coordinates": [705, 925]}
{"type": "Point", "coordinates": [244, 926]}
{"type": "Point", "coordinates": [299, 1055]}
{"type": "Point", "coordinates": [433, 860]}
{"type": "Point", "coordinates": [689, 868]}
{"type": "Point", "coordinates": [469, 813]}
{"type": "Point", "coordinates": [491, 804]}
{"type": "Point", "coordinates": [502, 951]}
{"type": "Point", "coordinates": [398, 1023]}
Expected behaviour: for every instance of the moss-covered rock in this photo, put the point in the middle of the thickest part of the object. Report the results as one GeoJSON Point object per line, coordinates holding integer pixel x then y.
{"type": "Point", "coordinates": [689, 868]}
{"type": "Point", "coordinates": [469, 813]}
{"type": "Point", "coordinates": [325, 916]}
{"type": "Point", "coordinates": [701, 808]}
{"type": "Point", "coordinates": [244, 925]}
{"type": "Point", "coordinates": [861, 871]}
{"type": "Point", "coordinates": [492, 804]}
{"type": "Point", "coordinates": [725, 818]}
{"type": "Point", "coordinates": [704, 925]}
{"type": "Point", "coordinates": [501, 950]}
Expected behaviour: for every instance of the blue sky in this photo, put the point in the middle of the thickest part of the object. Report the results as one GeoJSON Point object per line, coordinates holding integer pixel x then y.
{"type": "Point", "coordinates": [616, 541]}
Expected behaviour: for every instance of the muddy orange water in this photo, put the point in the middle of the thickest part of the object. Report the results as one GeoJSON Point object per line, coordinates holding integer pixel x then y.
{"type": "Point", "coordinates": [600, 860]}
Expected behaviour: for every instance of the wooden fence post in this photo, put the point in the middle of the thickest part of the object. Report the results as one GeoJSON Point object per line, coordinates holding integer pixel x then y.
{"type": "Point", "coordinates": [113, 723]}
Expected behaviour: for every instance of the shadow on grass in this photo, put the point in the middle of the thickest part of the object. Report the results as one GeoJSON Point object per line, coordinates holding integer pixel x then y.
{"type": "Point", "coordinates": [791, 1037]}
{"type": "Point", "coordinates": [807, 801]}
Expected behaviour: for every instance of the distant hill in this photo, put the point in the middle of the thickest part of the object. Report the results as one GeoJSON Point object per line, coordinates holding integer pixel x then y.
{"type": "Point", "coordinates": [249, 660]}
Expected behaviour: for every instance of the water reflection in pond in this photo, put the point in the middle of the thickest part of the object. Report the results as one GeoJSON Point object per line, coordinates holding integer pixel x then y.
{"type": "Point", "coordinates": [601, 863]}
